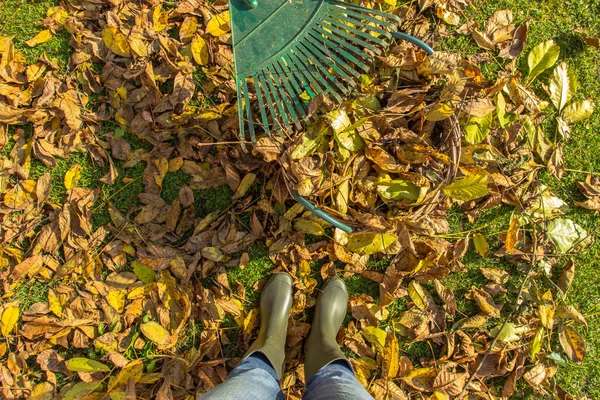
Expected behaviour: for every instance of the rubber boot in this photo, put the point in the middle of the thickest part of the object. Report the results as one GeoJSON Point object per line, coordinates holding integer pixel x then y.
{"type": "Point", "coordinates": [321, 346]}
{"type": "Point", "coordinates": [275, 306]}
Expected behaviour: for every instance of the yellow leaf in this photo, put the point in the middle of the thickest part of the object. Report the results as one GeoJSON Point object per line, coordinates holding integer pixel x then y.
{"type": "Point", "coordinates": [54, 303]}
{"type": "Point", "coordinates": [58, 13]}
{"type": "Point", "coordinates": [160, 20]}
{"type": "Point", "coordinates": [41, 37]}
{"type": "Point", "coordinates": [72, 176]}
{"type": "Point", "coordinates": [138, 46]}
{"type": "Point", "coordinates": [42, 391]}
{"type": "Point", "coordinates": [481, 245]}
{"type": "Point", "coordinates": [219, 24]}
{"type": "Point", "coordinates": [116, 41]}
{"type": "Point", "coordinates": [188, 29]}
{"type": "Point", "coordinates": [370, 243]}
{"type": "Point", "coordinates": [200, 50]}
{"type": "Point", "coordinates": [391, 357]}
{"type": "Point", "coordinates": [133, 371]}
{"type": "Point", "coordinates": [245, 184]}
{"type": "Point", "coordinates": [417, 295]}
{"type": "Point", "coordinates": [21, 195]}
{"type": "Point", "coordinates": [143, 273]}
{"type": "Point", "coordinates": [572, 343]}
{"type": "Point", "coordinates": [376, 337]}
{"type": "Point", "coordinates": [10, 316]}
{"type": "Point", "coordinates": [82, 364]}
{"type": "Point", "coordinates": [308, 226]}
{"type": "Point", "coordinates": [156, 333]}
{"type": "Point", "coordinates": [116, 299]}
{"type": "Point", "coordinates": [439, 112]}
{"type": "Point", "coordinates": [536, 343]}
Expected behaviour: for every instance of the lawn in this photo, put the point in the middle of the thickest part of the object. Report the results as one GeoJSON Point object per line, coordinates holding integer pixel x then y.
{"type": "Point", "coordinates": [551, 19]}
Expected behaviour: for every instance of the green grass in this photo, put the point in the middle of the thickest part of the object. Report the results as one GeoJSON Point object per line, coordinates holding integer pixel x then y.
{"type": "Point", "coordinates": [22, 19]}
{"type": "Point", "coordinates": [552, 19]}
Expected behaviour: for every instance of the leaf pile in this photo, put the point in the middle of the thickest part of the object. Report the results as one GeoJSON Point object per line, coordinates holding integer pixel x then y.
{"type": "Point", "coordinates": [420, 135]}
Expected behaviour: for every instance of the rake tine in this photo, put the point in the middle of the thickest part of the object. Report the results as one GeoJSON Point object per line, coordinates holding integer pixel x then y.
{"type": "Point", "coordinates": [248, 110]}
{"type": "Point", "coordinates": [241, 112]}
{"type": "Point", "coordinates": [291, 59]}
{"type": "Point", "coordinates": [333, 25]}
{"type": "Point", "coordinates": [321, 43]}
{"type": "Point", "coordinates": [340, 50]}
{"type": "Point", "coordinates": [285, 94]}
{"type": "Point", "coordinates": [297, 90]}
{"type": "Point", "coordinates": [311, 76]}
{"type": "Point", "coordinates": [261, 77]}
{"type": "Point", "coordinates": [276, 97]}
{"type": "Point", "coordinates": [359, 20]}
{"type": "Point", "coordinates": [321, 62]}
{"type": "Point", "coordinates": [289, 93]}
{"type": "Point", "coordinates": [261, 105]}
{"type": "Point", "coordinates": [366, 13]}
{"type": "Point", "coordinates": [318, 70]}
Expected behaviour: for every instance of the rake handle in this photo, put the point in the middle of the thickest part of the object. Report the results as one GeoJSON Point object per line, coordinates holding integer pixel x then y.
{"type": "Point", "coordinates": [320, 213]}
{"type": "Point", "coordinates": [414, 40]}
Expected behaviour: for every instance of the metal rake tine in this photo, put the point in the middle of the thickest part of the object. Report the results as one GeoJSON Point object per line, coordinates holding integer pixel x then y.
{"type": "Point", "coordinates": [261, 77]}
{"type": "Point", "coordinates": [248, 110]}
{"type": "Point", "coordinates": [341, 49]}
{"type": "Point", "coordinates": [284, 92]}
{"type": "Point", "coordinates": [321, 43]}
{"type": "Point", "coordinates": [261, 105]}
{"type": "Point", "coordinates": [335, 26]}
{"type": "Point", "coordinates": [292, 78]}
{"type": "Point", "coordinates": [318, 70]}
{"type": "Point", "coordinates": [320, 62]}
{"type": "Point", "coordinates": [277, 98]}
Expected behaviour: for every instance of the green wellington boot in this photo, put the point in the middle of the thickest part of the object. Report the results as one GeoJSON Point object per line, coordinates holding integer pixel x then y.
{"type": "Point", "coordinates": [321, 347]}
{"type": "Point", "coordinates": [275, 306]}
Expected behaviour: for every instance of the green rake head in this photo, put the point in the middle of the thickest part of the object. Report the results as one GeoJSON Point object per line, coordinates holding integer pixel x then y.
{"type": "Point", "coordinates": [289, 48]}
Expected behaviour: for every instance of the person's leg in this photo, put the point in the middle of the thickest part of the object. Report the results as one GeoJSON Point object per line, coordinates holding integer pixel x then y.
{"type": "Point", "coordinates": [257, 376]}
{"type": "Point", "coordinates": [253, 378]}
{"type": "Point", "coordinates": [328, 372]}
{"type": "Point", "coordinates": [335, 381]}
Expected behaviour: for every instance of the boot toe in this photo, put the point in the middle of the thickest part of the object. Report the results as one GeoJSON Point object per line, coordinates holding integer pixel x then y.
{"type": "Point", "coordinates": [280, 277]}
{"type": "Point", "coordinates": [336, 283]}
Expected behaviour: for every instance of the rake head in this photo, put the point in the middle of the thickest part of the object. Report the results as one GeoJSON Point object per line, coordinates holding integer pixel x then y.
{"type": "Point", "coordinates": [288, 49]}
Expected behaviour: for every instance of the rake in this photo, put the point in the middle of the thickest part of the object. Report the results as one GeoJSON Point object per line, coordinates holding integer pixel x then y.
{"type": "Point", "coordinates": [292, 50]}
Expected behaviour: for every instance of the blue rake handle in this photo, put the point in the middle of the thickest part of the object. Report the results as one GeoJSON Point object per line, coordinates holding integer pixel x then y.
{"type": "Point", "coordinates": [322, 214]}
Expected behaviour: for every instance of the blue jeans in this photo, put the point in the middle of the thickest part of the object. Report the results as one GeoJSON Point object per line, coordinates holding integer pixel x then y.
{"type": "Point", "coordinates": [255, 379]}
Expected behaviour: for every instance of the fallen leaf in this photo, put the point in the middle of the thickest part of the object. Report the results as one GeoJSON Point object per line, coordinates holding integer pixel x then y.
{"type": "Point", "coordinates": [156, 333]}
{"type": "Point", "coordinates": [41, 37]}
{"type": "Point", "coordinates": [572, 343]}
{"type": "Point", "coordinates": [81, 364]}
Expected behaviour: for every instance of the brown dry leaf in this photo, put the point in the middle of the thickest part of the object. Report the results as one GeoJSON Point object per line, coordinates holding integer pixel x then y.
{"type": "Point", "coordinates": [572, 343]}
